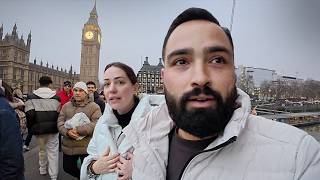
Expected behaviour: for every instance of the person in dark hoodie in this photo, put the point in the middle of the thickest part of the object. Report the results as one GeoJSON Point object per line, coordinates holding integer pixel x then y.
{"type": "Point", "coordinates": [92, 89]}
{"type": "Point", "coordinates": [42, 113]}
{"type": "Point", "coordinates": [11, 158]}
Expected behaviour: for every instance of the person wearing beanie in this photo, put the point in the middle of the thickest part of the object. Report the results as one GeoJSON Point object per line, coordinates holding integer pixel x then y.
{"type": "Point", "coordinates": [73, 147]}
{"type": "Point", "coordinates": [42, 110]}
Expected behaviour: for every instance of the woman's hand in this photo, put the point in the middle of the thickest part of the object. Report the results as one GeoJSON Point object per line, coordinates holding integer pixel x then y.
{"type": "Point", "coordinates": [124, 167]}
{"type": "Point", "coordinates": [107, 163]}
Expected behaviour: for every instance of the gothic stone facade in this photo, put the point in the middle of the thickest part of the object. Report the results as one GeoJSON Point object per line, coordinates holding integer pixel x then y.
{"type": "Point", "coordinates": [16, 69]}
{"type": "Point", "coordinates": [149, 78]}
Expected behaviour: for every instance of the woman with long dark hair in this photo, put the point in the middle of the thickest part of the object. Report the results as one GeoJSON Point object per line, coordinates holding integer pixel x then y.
{"type": "Point", "coordinates": [110, 154]}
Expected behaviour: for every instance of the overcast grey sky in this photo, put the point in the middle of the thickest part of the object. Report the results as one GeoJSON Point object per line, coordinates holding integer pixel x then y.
{"type": "Point", "coordinates": [282, 35]}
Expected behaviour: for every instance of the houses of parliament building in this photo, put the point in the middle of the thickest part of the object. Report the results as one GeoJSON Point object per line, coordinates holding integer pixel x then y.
{"type": "Point", "coordinates": [17, 71]}
{"type": "Point", "coordinates": [149, 78]}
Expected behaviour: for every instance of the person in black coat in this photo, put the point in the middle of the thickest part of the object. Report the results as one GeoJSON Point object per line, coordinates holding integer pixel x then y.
{"type": "Point", "coordinates": [11, 155]}
{"type": "Point", "coordinates": [92, 89]}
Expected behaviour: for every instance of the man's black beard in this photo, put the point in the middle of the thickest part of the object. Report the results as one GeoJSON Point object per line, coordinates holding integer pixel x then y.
{"type": "Point", "coordinates": [202, 122]}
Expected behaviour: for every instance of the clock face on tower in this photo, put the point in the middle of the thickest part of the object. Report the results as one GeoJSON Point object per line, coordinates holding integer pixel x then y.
{"type": "Point", "coordinates": [88, 35]}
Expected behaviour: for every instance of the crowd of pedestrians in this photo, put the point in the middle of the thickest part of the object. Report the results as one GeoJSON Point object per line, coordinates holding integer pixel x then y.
{"type": "Point", "coordinates": [202, 128]}
{"type": "Point", "coordinates": [44, 115]}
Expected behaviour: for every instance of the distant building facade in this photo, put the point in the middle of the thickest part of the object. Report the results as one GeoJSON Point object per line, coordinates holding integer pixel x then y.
{"type": "Point", "coordinates": [150, 79]}
{"type": "Point", "coordinates": [289, 79]}
{"type": "Point", "coordinates": [250, 79]}
{"type": "Point", "coordinates": [90, 49]}
{"type": "Point", "coordinates": [16, 69]}
{"type": "Point", "coordinates": [57, 75]}
{"type": "Point", "coordinates": [256, 75]}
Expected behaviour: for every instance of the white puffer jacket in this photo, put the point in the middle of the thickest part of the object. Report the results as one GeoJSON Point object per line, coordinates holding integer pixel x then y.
{"type": "Point", "coordinates": [251, 148]}
{"type": "Point", "coordinates": [108, 132]}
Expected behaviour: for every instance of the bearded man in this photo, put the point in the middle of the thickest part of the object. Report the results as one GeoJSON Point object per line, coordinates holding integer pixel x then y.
{"type": "Point", "coordinates": [205, 129]}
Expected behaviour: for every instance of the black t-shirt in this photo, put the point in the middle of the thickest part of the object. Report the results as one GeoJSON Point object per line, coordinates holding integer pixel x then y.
{"type": "Point", "coordinates": [124, 119]}
{"type": "Point", "coordinates": [180, 152]}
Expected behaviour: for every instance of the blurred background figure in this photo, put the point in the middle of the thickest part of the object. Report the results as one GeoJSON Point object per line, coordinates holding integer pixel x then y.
{"type": "Point", "coordinates": [25, 129]}
{"type": "Point", "coordinates": [92, 89]}
{"type": "Point", "coordinates": [11, 157]}
{"type": "Point", "coordinates": [254, 111]}
{"type": "Point", "coordinates": [18, 105]}
{"type": "Point", "coordinates": [101, 96]}
{"type": "Point", "coordinates": [18, 93]}
{"type": "Point", "coordinates": [65, 93]}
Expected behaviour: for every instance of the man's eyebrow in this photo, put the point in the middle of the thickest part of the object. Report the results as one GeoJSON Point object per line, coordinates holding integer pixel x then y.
{"type": "Point", "coordinates": [179, 52]}
{"type": "Point", "coordinates": [217, 49]}
{"type": "Point", "coordinates": [119, 77]}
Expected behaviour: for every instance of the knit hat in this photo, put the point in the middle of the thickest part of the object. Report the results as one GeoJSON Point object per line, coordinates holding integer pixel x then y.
{"type": "Point", "coordinates": [81, 85]}
{"type": "Point", "coordinates": [67, 83]}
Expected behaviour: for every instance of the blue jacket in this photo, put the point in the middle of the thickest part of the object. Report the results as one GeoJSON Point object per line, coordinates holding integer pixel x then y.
{"type": "Point", "coordinates": [11, 157]}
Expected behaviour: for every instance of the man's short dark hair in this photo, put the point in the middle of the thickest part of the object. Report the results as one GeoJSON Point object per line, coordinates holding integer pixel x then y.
{"type": "Point", "coordinates": [91, 82]}
{"type": "Point", "coordinates": [189, 15]}
{"type": "Point", "coordinates": [45, 81]}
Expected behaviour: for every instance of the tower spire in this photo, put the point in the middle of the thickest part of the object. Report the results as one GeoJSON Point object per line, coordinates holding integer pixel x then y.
{"type": "Point", "coordinates": [70, 70]}
{"type": "Point", "coordinates": [29, 39]}
{"type": "Point", "coordinates": [146, 62]}
{"type": "Point", "coordinates": [160, 62]}
{"type": "Point", "coordinates": [94, 10]}
{"type": "Point", "coordinates": [14, 31]}
{"type": "Point", "coordinates": [21, 40]}
{"type": "Point", "coordinates": [93, 15]}
{"type": "Point", "coordinates": [1, 31]}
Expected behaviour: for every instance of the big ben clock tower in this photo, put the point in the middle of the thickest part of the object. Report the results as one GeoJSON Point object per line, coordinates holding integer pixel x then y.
{"type": "Point", "coordinates": [90, 49]}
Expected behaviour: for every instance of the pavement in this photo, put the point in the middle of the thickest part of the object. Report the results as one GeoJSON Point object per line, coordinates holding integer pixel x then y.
{"type": "Point", "coordinates": [31, 162]}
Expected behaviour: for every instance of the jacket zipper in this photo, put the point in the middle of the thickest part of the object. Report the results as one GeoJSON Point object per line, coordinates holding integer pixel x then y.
{"type": "Point", "coordinates": [119, 137]}
{"type": "Point", "coordinates": [231, 140]}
